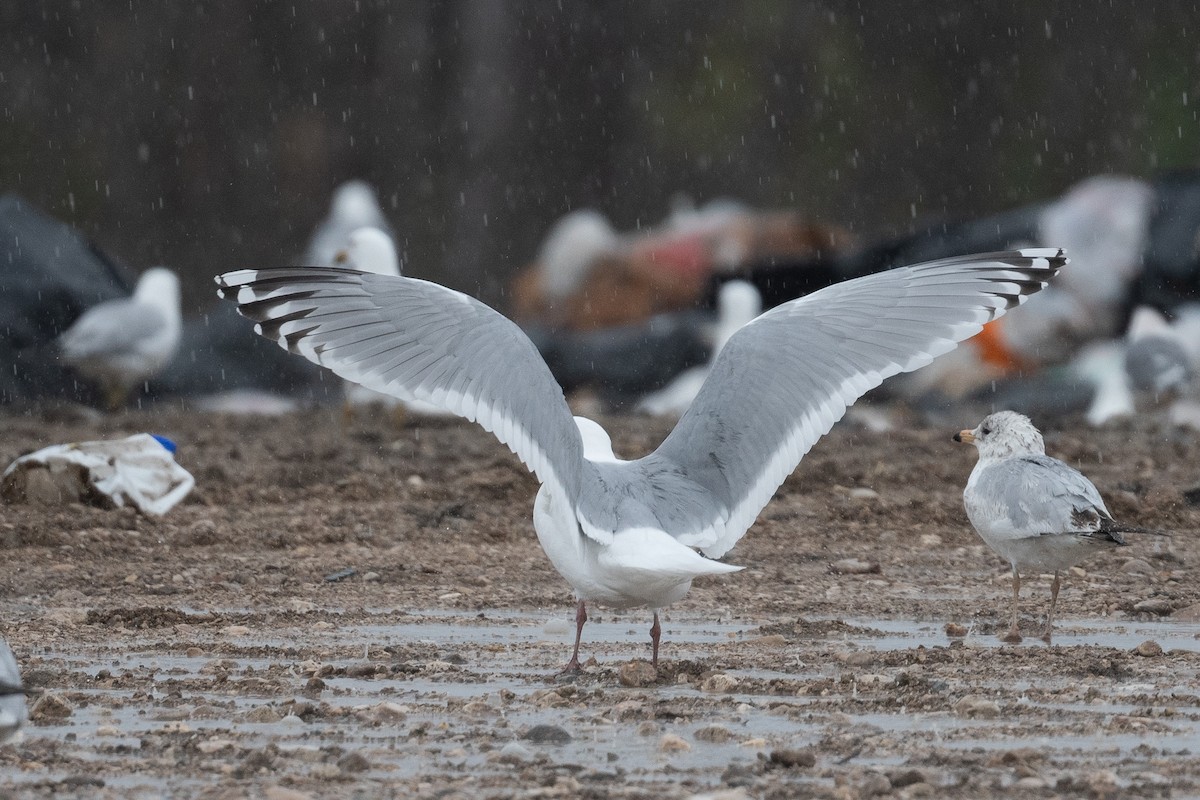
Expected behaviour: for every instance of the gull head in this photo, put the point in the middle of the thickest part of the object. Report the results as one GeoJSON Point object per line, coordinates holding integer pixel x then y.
{"type": "Point", "coordinates": [597, 446]}
{"type": "Point", "coordinates": [158, 286]}
{"type": "Point", "coordinates": [369, 250]}
{"type": "Point", "coordinates": [1004, 434]}
{"type": "Point", "coordinates": [354, 200]}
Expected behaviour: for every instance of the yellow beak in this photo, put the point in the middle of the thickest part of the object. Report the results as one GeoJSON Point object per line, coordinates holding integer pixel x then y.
{"type": "Point", "coordinates": [966, 437]}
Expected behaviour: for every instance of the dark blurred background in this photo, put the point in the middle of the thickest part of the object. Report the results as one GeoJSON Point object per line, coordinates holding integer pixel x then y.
{"type": "Point", "coordinates": [208, 136]}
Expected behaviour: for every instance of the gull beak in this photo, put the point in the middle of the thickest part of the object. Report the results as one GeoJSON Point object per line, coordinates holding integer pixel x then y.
{"type": "Point", "coordinates": [966, 437]}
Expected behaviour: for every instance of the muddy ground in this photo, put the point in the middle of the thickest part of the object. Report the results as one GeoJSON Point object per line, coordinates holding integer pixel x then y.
{"type": "Point", "coordinates": [216, 653]}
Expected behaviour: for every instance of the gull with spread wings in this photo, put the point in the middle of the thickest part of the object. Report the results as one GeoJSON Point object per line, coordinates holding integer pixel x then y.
{"type": "Point", "coordinates": [636, 533]}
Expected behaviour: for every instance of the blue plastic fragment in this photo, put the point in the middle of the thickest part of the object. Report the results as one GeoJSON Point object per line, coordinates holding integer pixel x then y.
{"type": "Point", "coordinates": [165, 442]}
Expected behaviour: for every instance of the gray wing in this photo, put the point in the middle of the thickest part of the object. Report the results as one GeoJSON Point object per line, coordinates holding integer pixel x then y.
{"type": "Point", "coordinates": [12, 698]}
{"type": "Point", "coordinates": [784, 379]}
{"type": "Point", "coordinates": [417, 340]}
{"type": "Point", "coordinates": [1038, 495]}
{"type": "Point", "coordinates": [111, 328]}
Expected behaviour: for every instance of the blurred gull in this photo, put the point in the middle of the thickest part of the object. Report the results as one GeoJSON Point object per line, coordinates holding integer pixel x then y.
{"type": "Point", "coordinates": [372, 250]}
{"type": "Point", "coordinates": [354, 206]}
{"type": "Point", "coordinates": [571, 248]}
{"type": "Point", "coordinates": [1156, 355]}
{"type": "Point", "coordinates": [626, 533]}
{"type": "Point", "coordinates": [738, 303]}
{"type": "Point", "coordinates": [12, 695]}
{"type": "Point", "coordinates": [1033, 510]}
{"type": "Point", "coordinates": [121, 343]}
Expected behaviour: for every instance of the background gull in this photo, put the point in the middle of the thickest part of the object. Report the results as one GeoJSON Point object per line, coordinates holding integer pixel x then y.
{"type": "Point", "coordinates": [121, 343]}
{"type": "Point", "coordinates": [627, 533]}
{"type": "Point", "coordinates": [354, 205]}
{"type": "Point", "coordinates": [1033, 510]}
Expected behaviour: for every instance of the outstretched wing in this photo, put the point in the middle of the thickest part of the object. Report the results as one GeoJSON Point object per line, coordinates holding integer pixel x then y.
{"type": "Point", "coordinates": [417, 340]}
{"type": "Point", "coordinates": [784, 379]}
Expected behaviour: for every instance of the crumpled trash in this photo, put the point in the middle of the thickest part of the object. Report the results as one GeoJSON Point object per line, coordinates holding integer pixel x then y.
{"type": "Point", "coordinates": [139, 470]}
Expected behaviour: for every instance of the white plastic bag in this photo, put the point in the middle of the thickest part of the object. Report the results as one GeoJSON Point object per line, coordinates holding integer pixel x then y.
{"type": "Point", "coordinates": [139, 470]}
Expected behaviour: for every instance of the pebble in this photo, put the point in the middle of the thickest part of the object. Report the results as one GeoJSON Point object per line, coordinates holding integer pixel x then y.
{"type": "Point", "coordinates": [515, 753]}
{"type": "Point", "coordinates": [874, 784]}
{"type": "Point", "coordinates": [1154, 605]}
{"type": "Point", "coordinates": [1138, 566]}
{"type": "Point", "coordinates": [636, 674]}
{"type": "Point", "coordinates": [854, 566]}
{"type": "Point", "coordinates": [956, 631]}
{"type": "Point", "coordinates": [108, 730]}
{"type": "Point", "coordinates": [648, 728]}
{"type": "Point", "coordinates": [235, 630]}
{"type": "Point", "coordinates": [719, 683]}
{"type": "Point", "coordinates": [546, 734]}
{"type": "Point", "coordinates": [50, 706]}
{"type": "Point", "coordinates": [263, 715]}
{"type": "Point", "coordinates": [973, 705]}
{"type": "Point", "coordinates": [353, 762]}
{"type": "Point", "coordinates": [371, 576]}
{"type": "Point", "coordinates": [792, 757]}
{"type": "Point", "coordinates": [291, 719]}
{"type": "Point", "coordinates": [670, 743]}
{"type": "Point", "coordinates": [1148, 649]}
{"type": "Point", "coordinates": [1188, 613]}
{"type": "Point", "coordinates": [388, 711]}
{"type": "Point", "coordinates": [722, 794]}
{"type": "Point", "coordinates": [713, 733]}
{"type": "Point", "coordinates": [863, 493]}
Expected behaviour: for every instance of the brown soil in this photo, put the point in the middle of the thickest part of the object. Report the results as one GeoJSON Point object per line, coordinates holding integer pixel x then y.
{"type": "Point", "coordinates": [206, 654]}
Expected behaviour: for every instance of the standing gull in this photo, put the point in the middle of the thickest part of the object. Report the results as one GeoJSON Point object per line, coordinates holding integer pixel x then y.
{"type": "Point", "coordinates": [121, 343]}
{"type": "Point", "coordinates": [626, 533]}
{"type": "Point", "coordinates": [1033, 510]}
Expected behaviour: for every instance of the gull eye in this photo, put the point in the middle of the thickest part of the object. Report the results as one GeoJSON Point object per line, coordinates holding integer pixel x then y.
{"type": "Point", "coordinates": [985, 430]}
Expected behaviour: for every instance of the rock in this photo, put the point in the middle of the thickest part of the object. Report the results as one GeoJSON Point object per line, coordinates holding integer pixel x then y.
{"type": "Point", "coordinates": [863, 493]}
{"type": "Point", "coordinates": [854, 566]}
{"type": "Point", "coordinates": [670, 743]}
{"type": "Point", "coordinates": [389, 712]}
{"type": "Point", "coordinates": [1187, 613]}
{"type": "Point", "coordinates": [353, 762]}
{"type": "Point", "coordinates": [790, 757]}
{"type": "Point", "coordinates": [1138, 566]}
{"type": "Point", "coordinates": [973, 705]}
{"type": "Point", "coordinates": [714, 733]}
{"type": "Point", "coordinates": [108, 730]}
{"type": "Point", "coordinates": [546, 734]}
{"type": "Point", "coordinates": [371, 576]}
{"type": "Point", "coordinates": [1154, 605]}
{"type": "Point", "coordinates": [515, 753]}
{"type": "Point", "coordinates": [1148, 649]}
{"type": "Point", "coordinates": [648, 728]}
{"type": "Point", "coordinates": [50, 706]}
{"type": "Point", "coordinates": [263, 715]}
{"type": "Point", "coordinates": [235, 630]}
{"type": "Point", "coordinates": [1030, 782]}
{"type": "Point", "coordinates": [636, 674]}
{"type": "Point", "coordinates": [907, 778]}
{"type": "Point", "coordinates": [874, 784]}
{"type": "Point", "coordinates": [719, 683]}
{"type": "Point", "coordinates": [956, 631]}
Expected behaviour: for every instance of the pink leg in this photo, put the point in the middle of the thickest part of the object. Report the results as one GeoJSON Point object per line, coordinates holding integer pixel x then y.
{"type": "Point", "coordinates": [655, 634]}
{"type": "Point", "coordinates": [580, 618]}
